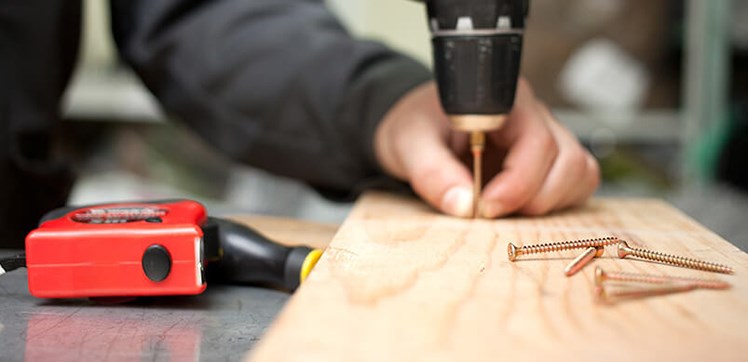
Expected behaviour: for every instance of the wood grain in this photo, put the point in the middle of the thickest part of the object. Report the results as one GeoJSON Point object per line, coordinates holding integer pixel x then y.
{"type": "Point", "coordinates": [400, 282]}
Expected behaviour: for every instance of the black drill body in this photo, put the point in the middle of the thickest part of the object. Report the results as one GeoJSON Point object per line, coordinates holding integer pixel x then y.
{"type": "Point", "coordinates": [477, 46]}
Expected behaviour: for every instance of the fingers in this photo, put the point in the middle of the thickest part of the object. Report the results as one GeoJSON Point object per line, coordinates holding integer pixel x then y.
{"type": "Point", "coordinates": [587, 187]}
{"type": "Point", "coordinates": [571, 180]}
{"type": "Point", "coordinates": [439, 178]}
{"type": "Point", "coordinates": [432, 169]}
{"type": "Point", "coordinates": [545, 169]}
{"type": "Point", "coordinates": [542, 167]}
{"type": "Point", "coordinates": [531, 152]}
{"type": "Point", "coordinates": [412, 143]}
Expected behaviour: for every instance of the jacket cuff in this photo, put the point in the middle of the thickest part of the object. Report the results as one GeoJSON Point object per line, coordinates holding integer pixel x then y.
{"type": "Point", "coordinates": [371, 95]}
{"type": "Point", "coordinates": [374, 93]}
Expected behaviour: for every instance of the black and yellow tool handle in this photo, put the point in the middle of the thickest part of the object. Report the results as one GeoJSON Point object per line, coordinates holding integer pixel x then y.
{"type": "Point", "coordinates": [248, 257]}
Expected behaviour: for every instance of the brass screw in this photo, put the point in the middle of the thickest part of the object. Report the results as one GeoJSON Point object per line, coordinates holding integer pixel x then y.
{"type": "Point", "coordinates": [609, 295]}
{"type": "Point", "coordinates": [513, 251]}
{"type": "Point", "coordinates": [602, 276]}
{"type": "Point", "coordinates": [583, 259]}
{"type": "Point", "coordinates": [624, 250]}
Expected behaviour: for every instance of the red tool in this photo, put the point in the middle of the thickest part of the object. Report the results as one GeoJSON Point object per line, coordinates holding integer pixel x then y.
{"type": "Point", "coordinates": [118, 249]}
{"type": "Point", "coordinates": [152, 248]}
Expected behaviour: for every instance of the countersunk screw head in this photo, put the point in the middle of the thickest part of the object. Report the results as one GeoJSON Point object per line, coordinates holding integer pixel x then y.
{"type": "Point", "coordinates": [600, 251]}
{"type": "Point", "coordinates": [511, 251]}
{"type": "Point", "coordinates": [623, 249]}
{"type": "Point", "coordinates": [514, 251]}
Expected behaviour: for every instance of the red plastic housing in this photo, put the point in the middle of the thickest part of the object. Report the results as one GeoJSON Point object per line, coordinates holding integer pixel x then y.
{"type": "Point", "coordinates": [98, 251]}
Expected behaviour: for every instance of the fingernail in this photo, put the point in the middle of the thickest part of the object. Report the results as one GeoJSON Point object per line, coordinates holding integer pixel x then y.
{"type": "Point", "coordinates": [458, 201]}
{"type": "Point", "coordinates": [491, 210]}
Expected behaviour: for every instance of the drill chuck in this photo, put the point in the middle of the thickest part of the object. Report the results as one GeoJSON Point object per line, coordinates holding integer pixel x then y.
{"type": "Point", "coordinates": [477, 46]}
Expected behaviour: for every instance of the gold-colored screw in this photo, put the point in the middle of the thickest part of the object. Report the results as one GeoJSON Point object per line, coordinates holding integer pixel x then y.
{"type": "Point", "coordinates": [583, 259]}
{"type": "Point", "coordinates": [624, 250]}
{"type": "Point", "coordinates": [610, 295]}
{"type": "Point", "coordinates": [514, 251]}
{"type": "Point", "coordinates": [602, 276]}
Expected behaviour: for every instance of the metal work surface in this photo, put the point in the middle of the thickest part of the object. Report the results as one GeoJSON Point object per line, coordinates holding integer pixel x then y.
{"type": "Point", "coordinates": [220, 325]}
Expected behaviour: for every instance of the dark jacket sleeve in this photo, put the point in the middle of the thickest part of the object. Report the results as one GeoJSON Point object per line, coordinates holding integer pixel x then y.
{"type": "Point", "coordinates": [38, 47]}
{"type": "Point", "coordinates": [278, 84]}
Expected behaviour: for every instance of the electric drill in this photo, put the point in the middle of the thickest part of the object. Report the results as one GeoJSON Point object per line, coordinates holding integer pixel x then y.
{"type": "Point", "coordinates": [477, 46]}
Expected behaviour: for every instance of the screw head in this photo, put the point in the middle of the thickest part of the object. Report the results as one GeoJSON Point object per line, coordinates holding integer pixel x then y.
{"type": "Point", "coordinates": [511, 251]}
{"type": "Point", "coordinates": [623, 249]}
{"type": "Point", "coordinates": [600, 251]}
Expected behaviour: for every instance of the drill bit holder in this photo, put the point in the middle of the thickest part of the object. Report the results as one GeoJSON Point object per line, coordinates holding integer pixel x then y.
{"type": "Point", "coordinates": [477, 47]}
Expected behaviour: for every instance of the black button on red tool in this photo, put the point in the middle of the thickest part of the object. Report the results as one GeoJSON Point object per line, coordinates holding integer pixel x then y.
{"type": "Point", "coordinates": [156, 263]}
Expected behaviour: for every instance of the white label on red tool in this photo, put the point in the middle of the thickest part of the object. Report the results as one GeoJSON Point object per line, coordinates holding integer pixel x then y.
{"type": "Point", "coordinates": [117, 215]}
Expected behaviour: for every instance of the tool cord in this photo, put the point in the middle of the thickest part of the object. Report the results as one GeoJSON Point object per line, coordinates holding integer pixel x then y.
{"type": "Point", "coordinates": [12, 263]}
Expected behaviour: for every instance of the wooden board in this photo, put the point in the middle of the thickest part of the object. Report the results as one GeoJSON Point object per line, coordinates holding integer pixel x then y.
{"type": "Point", "coordinates": [400, 282]}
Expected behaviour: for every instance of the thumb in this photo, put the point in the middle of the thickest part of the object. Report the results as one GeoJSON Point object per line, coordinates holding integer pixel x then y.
{"type": "Point", "coordinates": [411, 144]}
{"type": "Point", "coordinates": [438, 177]}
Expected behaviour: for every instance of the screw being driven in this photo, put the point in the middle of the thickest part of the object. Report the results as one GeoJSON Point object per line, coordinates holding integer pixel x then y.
{"type": "Point", "coordinates": [624, 250]}
{"type": "Point", "coordinates": [602, 276]}
{"type": "Point", "coordinates": [514, 251]}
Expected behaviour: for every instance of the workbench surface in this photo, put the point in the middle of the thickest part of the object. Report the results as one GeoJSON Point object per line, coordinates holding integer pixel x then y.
{"type": "Point", "coordinates": [222, 324]}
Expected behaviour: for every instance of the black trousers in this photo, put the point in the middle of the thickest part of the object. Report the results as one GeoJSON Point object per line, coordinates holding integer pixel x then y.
{"type": "Point", "coordinates": [38, 48]}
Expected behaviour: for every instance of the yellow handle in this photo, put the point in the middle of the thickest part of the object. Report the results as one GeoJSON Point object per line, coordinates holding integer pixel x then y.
{"type": "Point", "coordinates": [309, 262]}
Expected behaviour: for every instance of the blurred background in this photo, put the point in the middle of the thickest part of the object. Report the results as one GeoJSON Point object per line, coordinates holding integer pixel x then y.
{"type": "Point", "coordinates": [657, 89]}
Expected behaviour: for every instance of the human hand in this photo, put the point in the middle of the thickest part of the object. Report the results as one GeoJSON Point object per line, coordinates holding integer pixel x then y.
{"type": "Point", "coordinates": [533, 163]}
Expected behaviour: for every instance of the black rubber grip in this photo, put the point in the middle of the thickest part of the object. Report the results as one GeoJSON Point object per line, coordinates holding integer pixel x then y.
{"type": "Point", "coordinates": [483, 13]}
{"type": "Point", "coordinates": [248, 257]}
{"type": "Point", "coordinates": [477, 74]}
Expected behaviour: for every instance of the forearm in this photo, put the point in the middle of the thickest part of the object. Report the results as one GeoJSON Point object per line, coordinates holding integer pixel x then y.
{"type": "Point", "coordinates": [278, 84]}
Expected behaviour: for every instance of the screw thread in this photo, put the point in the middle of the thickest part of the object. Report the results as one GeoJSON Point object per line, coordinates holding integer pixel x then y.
{"type": "Point", "coordinates": [680, 261]}
{"type": "Point", "coordinates": [567, 245]}
{"type": "Point", "coordinates": [611, 295]}
{"type": "Point", "coordinates": [663, 279]}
